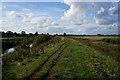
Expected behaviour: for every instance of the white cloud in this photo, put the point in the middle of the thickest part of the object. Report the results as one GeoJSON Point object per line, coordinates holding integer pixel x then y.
{"type": "Point", "coordinates": [77, 11]}
{"type": "Point", "coordinates": [100, 11]}
{"type": "Point", "coordinates": [13, 14]}
{"type": "Point", "coordinates": [39, 20]}
{"type": "Point", "coordinates": [106, 14]}
{"type": "Point", "coordinates": [54, 24]}
{"type": "Point", "coordinates": [25, 9]}
{"type": "Point", "coordinates": [30, 15]}
{"type": "Point", "coordinates": [113, 10]}
{"type": "Point", "coordinates": [80, 18]}
{"type": "Point", "coordinates": [25, 19]}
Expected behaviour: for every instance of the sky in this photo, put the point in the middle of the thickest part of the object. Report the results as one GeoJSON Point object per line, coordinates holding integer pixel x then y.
{"type": "Point", "coordinates": [60, 17]}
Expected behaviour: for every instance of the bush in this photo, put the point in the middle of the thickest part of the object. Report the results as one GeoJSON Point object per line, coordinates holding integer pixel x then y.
{"type": "Point", "coordinates": [41, 39]}
{"type": "Point", "coordinates": [111, 40]}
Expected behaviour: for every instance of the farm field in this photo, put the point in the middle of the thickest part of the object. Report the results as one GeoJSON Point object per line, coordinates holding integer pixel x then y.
{"type": "Point", "coordinates": [96, 37]}
{"type": "Point", "coordinates": [62, 57]}
{"type": "Point", "coordinates": [10, 38]}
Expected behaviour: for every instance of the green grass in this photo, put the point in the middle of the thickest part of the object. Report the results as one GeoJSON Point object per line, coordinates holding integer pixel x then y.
{"type": "Point", "coordinates": [10, 37]}
{"type": "Point", "coordinates": [26, 68]}
{"type": "Point", "coordinates": [111, 47]}
{"type": "Point", "coordinates": [81, 61]}
{"type": "Point", "coordinates": [112, 50]}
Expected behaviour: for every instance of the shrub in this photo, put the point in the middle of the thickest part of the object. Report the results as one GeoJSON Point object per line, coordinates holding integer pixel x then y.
{"type": "Point", "coordinates": [111, 40]}
{"type": "Point", "coordinates": [41, 39]}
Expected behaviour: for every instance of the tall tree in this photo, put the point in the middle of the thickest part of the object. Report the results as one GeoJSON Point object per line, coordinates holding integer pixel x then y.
{"type": "Point", "coordinates": [36, 34]}
{"type": "Point", "coordinates": [64, 34]}
{"type": "Point", "coordinates": [15, 34]}
{"type": "Point", "coordinates": [23, 33]}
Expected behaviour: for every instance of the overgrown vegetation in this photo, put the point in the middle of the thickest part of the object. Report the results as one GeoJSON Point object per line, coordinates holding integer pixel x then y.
{"type": "Point", "coordinates": [105, 48]}
{"type": "Point", "coordinates": [9, 43]}
{"type": "Point", "coordinates": [111, 40]}
{"type": "Point", "coordinates": [24, 56]}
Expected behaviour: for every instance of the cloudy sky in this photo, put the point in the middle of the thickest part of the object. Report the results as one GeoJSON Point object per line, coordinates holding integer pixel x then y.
{"type": "Point", "coordinates": [60, 17]}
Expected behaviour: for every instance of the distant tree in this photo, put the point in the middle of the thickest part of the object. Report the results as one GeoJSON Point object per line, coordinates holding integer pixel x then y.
{"type": "Point", "coordinates": [64, 34]}
{"type": "Point", "coordinates": [30, 34]}
{"type": "Point", "coordinates": [47, 33]}
{"type": "Point", "coordinates": [3, 34]}
{"type": "Point", "coordinates": [9, 34]}
{"type": "Point", "coordinates": [56, 34]}
{"type": "Point", "coordinates": [15, 34]}
{"type": "Point", "coordinates": [36, 34]}
{"type": "Point", "coordinates": [99, 34]}
{"type": "Point", "coordinates": [23, 33]}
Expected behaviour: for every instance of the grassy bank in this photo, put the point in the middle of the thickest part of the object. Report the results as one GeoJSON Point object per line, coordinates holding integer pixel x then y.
{"type": "Point", "coordinates": [24, 61]}
{"type": "Point", "coordinates": [111, 40]}
{"type": "Point", "coordinates": [111, 50]}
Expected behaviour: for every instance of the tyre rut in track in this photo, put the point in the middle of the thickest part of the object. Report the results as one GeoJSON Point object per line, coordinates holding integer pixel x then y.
{"type": "Point", "coordinates": [32, 76]}
{"type": "Point", "coordinates": [54, 66]}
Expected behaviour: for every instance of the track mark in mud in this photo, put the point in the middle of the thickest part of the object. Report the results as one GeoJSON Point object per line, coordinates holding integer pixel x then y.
{"type": "Point", "coordinates": [55, 66]}
{"type": "Point", "coordinates": [44, 64]}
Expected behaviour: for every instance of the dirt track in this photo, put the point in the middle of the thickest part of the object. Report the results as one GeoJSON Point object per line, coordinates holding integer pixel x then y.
{"type": "Point", "coordinates": [44, 64]}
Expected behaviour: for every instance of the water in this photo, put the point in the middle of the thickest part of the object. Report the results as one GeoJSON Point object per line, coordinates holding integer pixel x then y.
{"type": "Point", "coordinates": [31, 45]}
{"type": "Point", "coordinates": [10, 50]}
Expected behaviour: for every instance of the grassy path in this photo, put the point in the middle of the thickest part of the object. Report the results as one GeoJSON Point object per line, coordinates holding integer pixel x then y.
{"type": "Point", "coordinates": [53, 67]}
{"type": "Point", "coordinates": [82, 62]}
{"type": "Point", "coordinates": [45, 71]}
{"type": "Point", "coordinates": [41, 67]}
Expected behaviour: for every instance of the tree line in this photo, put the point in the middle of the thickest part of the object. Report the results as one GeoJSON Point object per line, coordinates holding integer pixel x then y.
{"type": "Point", "coordinates": [15, 34]}
{"type": "Point", "coordinates": [24, 34]}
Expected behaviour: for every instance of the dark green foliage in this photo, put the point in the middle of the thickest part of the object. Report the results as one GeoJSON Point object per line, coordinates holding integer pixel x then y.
{"type": "Point", "coordinates": [41, 39]}
{"type": "Point", "coordinates": [100, 35]}
{"type": "Point", "coordinates": [23, 50]}
{"type": "Point", "coordinates": [26, 41]}
{"type": "Point", "coordinates": [111, 40]}
{"type": "Point", "coordinates": [24, 53]}
{"type": "Point", "coordinates": [9, 33]}
{"type": "Point", "coordinates": [36, 34]}
{"type": "Point", "coordinates": [9, 43]}
{"type": "Point", "coordinates": [64, 34]}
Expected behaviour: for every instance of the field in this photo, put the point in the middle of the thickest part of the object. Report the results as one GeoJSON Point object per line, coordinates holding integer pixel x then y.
{"type": "Point", "coordinates": [96, 37]}
{"type": "Point", "coordinates": [63, 57]}
{"type": "Point", "coordinates": [10, 38]}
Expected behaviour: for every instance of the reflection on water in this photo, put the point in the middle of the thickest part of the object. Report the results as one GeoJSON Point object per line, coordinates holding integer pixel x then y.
{"type": "Point", "coordinates": [10, 50]}
{"type": "Point", "coordinates": [31, 45]}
